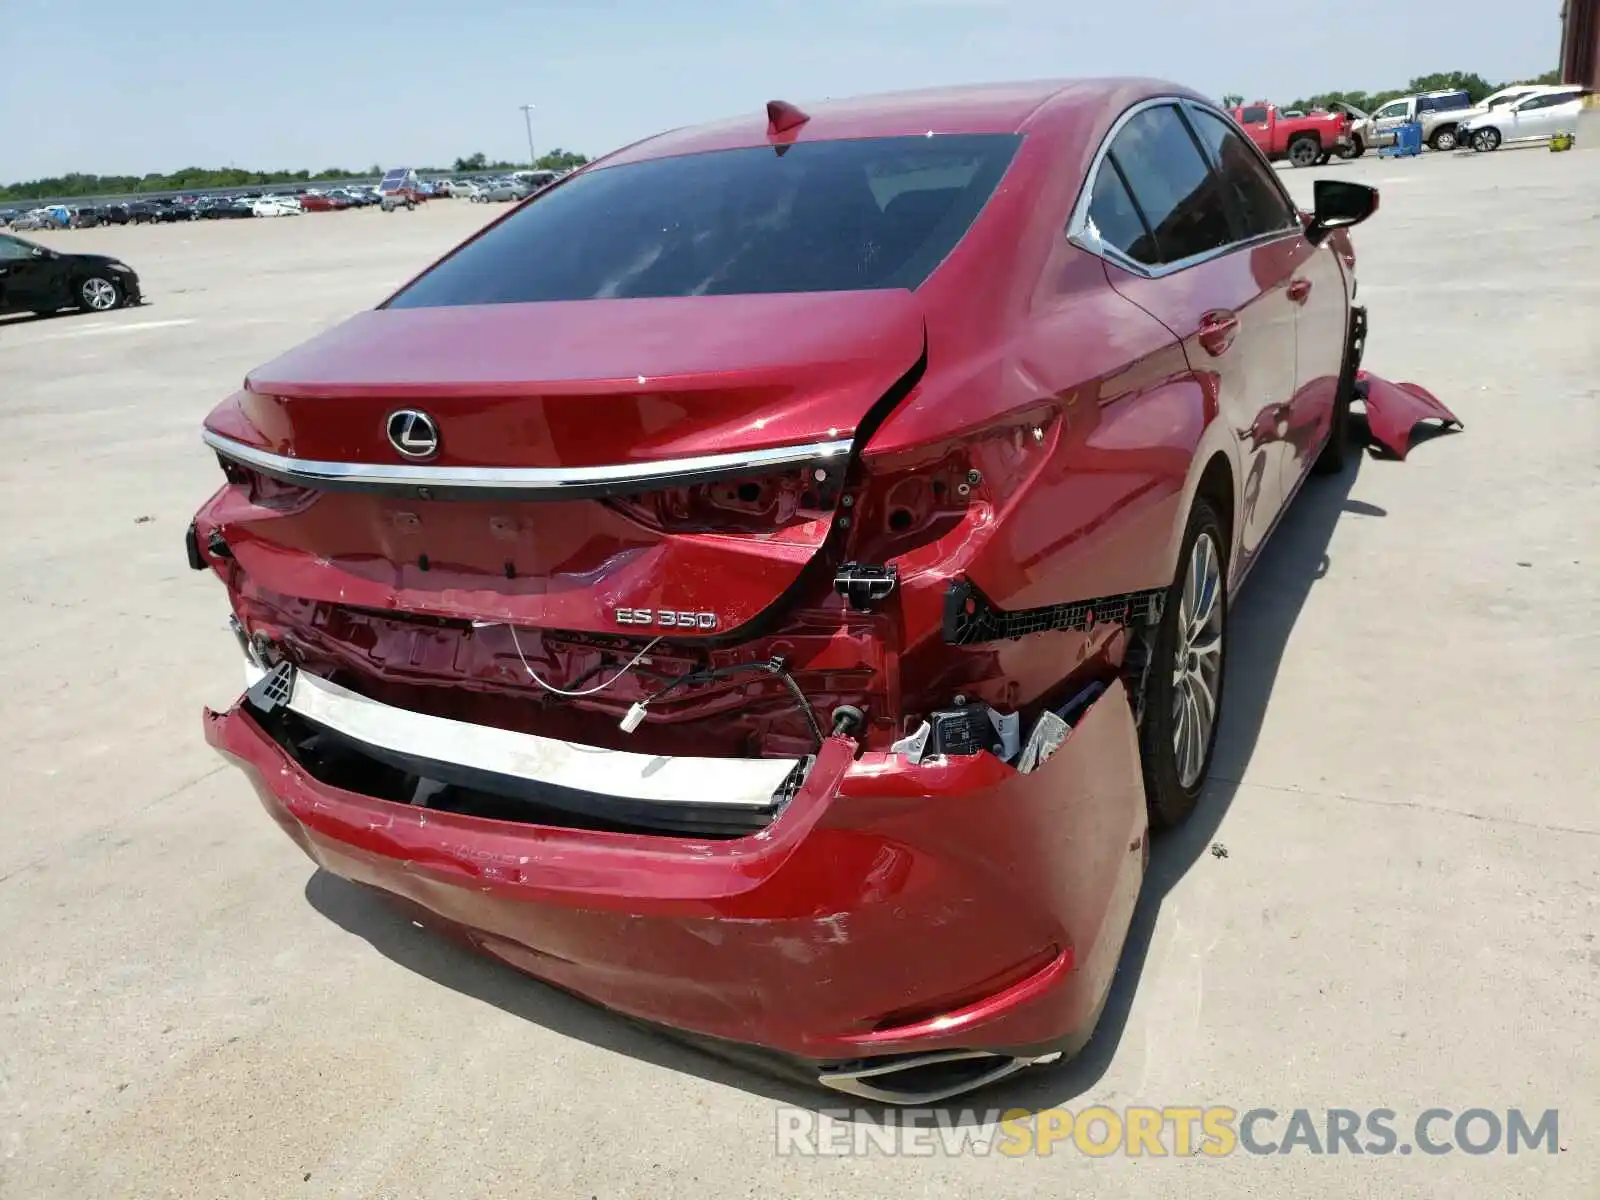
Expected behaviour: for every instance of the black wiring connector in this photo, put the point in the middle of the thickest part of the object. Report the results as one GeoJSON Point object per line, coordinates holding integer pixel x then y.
{"type": "Point", "coordinates": [774, 666]}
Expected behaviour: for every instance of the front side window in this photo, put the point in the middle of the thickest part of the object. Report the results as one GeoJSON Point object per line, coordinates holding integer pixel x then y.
{"type": "Point", "coordinates": [855, 215]}
{"type": "Point", "coordinates": [1261, 203]}
{"type": "Point", "coordinates": [1397, 109]}
{"type": "Point", "coordinates": [12, 248]}
{"type": "Point", "coordinates": [1174, 187]}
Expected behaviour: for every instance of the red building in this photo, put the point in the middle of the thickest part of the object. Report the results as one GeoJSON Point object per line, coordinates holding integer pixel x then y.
{"type": "Point", "coordinates": [1580, 42]}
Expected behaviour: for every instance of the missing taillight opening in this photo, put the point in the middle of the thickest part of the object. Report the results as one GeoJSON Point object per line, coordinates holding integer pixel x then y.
{"type": "Point", "coordinates": [760, 504]}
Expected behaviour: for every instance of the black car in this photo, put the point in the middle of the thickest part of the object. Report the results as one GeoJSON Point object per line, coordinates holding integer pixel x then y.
{"type": "Point", "coordinates": [37, 279]}
{"type": "Point", "coordinates": [223, 208]}
{"type": "Point", "coordinates": [166, 211]}
{"type": "Point", "coordinates": [88, 216]}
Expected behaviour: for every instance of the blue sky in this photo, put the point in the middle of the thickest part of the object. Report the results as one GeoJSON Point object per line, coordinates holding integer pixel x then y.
{"type": "Point", "coordinates": [142, 85]}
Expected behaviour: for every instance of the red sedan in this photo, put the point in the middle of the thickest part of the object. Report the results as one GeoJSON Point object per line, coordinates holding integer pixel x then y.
{"type": "Point", "coordinates": [769, 582]}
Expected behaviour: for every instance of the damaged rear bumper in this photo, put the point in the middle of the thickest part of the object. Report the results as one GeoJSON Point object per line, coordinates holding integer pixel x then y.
{"type": "Point", "coordinates": [885, 909]}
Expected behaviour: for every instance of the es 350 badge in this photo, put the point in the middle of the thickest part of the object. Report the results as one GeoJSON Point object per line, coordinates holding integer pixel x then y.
{"type": "Point", "coordinates": [664, 618]}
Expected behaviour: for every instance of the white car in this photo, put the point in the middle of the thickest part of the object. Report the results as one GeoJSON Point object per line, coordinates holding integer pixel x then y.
{"type": "Point", "coordinates": [274, 206]}
{"type": "Point", "coordinates": [1532, 118]}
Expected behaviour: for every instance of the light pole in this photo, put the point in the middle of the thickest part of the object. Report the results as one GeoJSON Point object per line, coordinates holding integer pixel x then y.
{"type": "Point", "coordinates": [527, 119]}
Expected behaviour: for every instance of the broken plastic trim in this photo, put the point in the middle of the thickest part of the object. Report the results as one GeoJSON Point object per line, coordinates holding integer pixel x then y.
{"type": "Point", "coordinates": [970, 618]}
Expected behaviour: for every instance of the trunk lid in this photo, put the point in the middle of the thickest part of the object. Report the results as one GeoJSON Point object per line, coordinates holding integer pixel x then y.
{"type": "Point", "coordinates": [598, 388]}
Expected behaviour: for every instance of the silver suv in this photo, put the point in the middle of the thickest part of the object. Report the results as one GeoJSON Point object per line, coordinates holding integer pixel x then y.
{"type": "Point", "coordinates": [1438, 112]}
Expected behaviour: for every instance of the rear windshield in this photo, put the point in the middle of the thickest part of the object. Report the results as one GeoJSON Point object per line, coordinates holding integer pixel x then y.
{"type": "Point", "coordinates": [819, 217]}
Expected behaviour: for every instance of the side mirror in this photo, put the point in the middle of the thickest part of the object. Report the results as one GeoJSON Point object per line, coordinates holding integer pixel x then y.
{"type": "Point", "coordinates": [1338, 204]}
{"type": "Point", "coordinates": [38, 252]}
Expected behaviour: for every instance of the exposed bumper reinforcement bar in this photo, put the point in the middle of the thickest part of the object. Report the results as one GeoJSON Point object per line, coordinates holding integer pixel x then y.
{"type": "Point", "coordinates": [749, 784]}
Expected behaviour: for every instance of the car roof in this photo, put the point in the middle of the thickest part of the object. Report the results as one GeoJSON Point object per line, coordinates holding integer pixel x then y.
{"type": "Point", "coordinates": [974, 108]}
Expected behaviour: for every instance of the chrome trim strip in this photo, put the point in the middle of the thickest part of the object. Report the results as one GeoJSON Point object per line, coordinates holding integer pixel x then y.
{"type": "Point", "coordinates": [557, 482]}
{"type": "Point", "coordinates": [730, 783]}
{"type": "Point", "coordinates": [854, 1082]}
{"type": "Point", "coordinates": [1077, 224]}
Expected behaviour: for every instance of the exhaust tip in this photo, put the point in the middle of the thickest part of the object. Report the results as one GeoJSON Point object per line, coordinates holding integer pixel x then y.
{"type": "Point", "coordinates": [925, 1078]}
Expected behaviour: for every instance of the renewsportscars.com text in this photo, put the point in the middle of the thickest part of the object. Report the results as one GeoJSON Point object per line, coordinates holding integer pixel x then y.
{"type": "Point", "coordinates": [1157, 1132]}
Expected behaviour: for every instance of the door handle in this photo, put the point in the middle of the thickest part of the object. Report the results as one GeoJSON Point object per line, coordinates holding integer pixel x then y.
{"type": "Point", "coordinates": [1218, 328]}
{"type": "Point", "coordinates": [1299, 290]}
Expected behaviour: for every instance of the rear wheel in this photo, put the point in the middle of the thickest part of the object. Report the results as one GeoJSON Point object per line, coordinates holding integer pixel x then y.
{"type": "Point", "coordinates": [1183, 684]}
{"type": "Point", "coordinates": [1303, 151]}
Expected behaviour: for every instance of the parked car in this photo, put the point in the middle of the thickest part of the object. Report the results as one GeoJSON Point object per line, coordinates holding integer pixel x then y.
{"type": "Point", "coordinates": [1439, 113]}
{"type": "Point", "coordinates": [225, 208]}
{"type": "Point", "coordinates": [273, 206]}
{"type": "Point", "coordinates": [1534, 117]}
{"type": "Point", "coordinates": [459, 187]}
{"type": "Point", "coordinates": [932, 576]}
{"type": "Point", "coordinates": [8, 215]}
{"type": "Point", "coordinates": [37, 279]}
{"type": "Point", "coordinates": [316, 202]}
{"type": "Point", "coordinates": [502, 189]}
{"type": "Point", "coordinates": [165, 212]}
{"type": "Point", "coordinates": [1304, 141]}
{"type": "Point", "coordinates": [36, 218]}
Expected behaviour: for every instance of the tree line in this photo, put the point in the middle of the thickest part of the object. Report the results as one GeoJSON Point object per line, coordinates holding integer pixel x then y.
{"type": "Point", "coordinates": [1475, 85]}
{"type": "Point", "coordinates": [204, 178]}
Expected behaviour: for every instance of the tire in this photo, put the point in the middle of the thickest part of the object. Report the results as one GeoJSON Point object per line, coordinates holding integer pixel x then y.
{"type": "Point", "coordinates": [1357, 147]}
{"type": "Point", "coordinates": [1444, 139]}
{"type": "Point", "coordinates": [98, 293]}
{"type": "Point", "coordinates": [1336, 449]}
{"type": "Point", "coordinates": [1303, 151]}
{"type": "Point", "coordinates": [1324, 157]}
{"type": "Point", "coordinates": [1485, 139]}
{"type": "Point", "coordinates": [1176, 690]}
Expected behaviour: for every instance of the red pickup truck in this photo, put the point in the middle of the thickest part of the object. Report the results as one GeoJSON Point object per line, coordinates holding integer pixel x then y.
{"type": "Point", "coordinates": [1304, 141]}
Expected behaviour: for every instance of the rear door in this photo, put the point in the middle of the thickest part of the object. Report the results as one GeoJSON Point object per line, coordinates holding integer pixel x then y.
{"type": "Point", "coordinates": [1256, 120]}
{"type": "Point", "coordinates": [1183, 261]}
{"type": "Point", "coordinates": [1274, 238]}
{"type": "Point", "coordinates": [1542, 116]}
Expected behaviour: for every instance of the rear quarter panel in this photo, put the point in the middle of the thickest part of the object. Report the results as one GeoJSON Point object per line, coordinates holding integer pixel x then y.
{"type": "Point", "coordinates": [1107, 428]}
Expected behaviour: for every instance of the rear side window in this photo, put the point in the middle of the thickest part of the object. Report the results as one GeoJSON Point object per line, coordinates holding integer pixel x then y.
{"type": "Point", "coordinates": [1550, 100]}
{"type": "Point", "coordinates": [1255, 191]}
{"type": "Point", "coordinates": [1174, 187]}
{"type": "Point", "coordinates": [1253, 116]}
{"type": "Point", "coordinates": [1115, 218]}
{"type": "Point", "coordinates": [822, 216]}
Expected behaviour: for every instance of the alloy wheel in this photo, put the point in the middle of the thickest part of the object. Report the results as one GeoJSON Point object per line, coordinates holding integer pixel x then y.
{"type": "Point", "coordinates": [99, 294]}
{"type": "Point", "coordinates": [1446, 140]}
{"type": "Point", "coordinates": [1197, 665]}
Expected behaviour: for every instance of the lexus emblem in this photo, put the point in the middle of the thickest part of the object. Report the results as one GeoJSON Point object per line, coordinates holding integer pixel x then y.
{"type": "Point", "coordinates": [413, 433]}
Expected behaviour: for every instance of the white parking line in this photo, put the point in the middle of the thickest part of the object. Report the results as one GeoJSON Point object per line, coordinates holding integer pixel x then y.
{"type": "Point", "coordinates": [130, 327]}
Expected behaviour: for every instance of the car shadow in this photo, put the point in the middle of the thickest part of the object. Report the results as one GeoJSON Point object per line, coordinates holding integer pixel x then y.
{"type": "Point", "coordinates": [33, 318]}
{"type": "Point", "coordinates": [1263, 617]}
